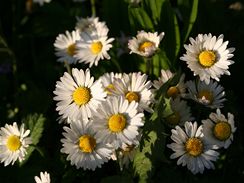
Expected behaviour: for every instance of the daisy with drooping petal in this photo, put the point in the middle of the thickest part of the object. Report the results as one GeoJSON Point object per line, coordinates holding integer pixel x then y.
{"type": "Point", "coordinates": [181, 113]}
{"type": "Point", "coordinates": [145, 43]}
{"type": "Point", "coordinates": [84, 149]}
{"type": "Point", "coordinates": [107, 80]}
{"type": "Point", "coordinates": [44, 178]}
{"type": "Point", "coordinates": [65, 46]}
{"type": "Point", "coordinates": [211, 95]}
{"type": "Point", "coordinates": [94, 47]}
{"type": "Point", "coordinates": [91, 25]}
{"type": "Point", "coordinates": [13, 143]}
{"type": "Point", "coordinates": [77, 94]}
{"type": "Point", "coordinates": [117, 121]}
{"type": "Point", "coordinates": [219, 130]}
{"type": "Point", "coordinates": [208, 56]}
{"type": "Point", "coordinates": [166, 75]}
{"type": "Point", "coordinates": [191, 148]}
{"type": "Point", "coordinates": [134, 87]}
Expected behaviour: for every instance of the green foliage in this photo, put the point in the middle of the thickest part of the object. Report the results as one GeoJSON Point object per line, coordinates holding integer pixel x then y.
{"type": "Point", "coordinates": [35, 123]}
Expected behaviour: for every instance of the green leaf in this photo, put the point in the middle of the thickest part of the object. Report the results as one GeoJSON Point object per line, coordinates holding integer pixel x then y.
{"type": "Point", "coordinates": [35, 124]}
{"type": "Point", "coordinates": [142, 163]}
{"type": "Point", "coordinates": [139, 19]}
{"type": "Point", "coordinates": [155, 7]}
{"type": "Point", "coordinates": [191, 20]}
{"type": "Point", "coordinates": [169, 24]}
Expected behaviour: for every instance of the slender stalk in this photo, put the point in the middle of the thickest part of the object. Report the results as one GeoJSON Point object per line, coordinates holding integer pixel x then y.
{"type": "Point", "coordinates": [93, 7]}
{"type": "Point", "coordinates": [67, 66]}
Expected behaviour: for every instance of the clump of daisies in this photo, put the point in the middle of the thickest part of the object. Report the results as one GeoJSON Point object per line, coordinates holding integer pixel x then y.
{"type": "Point", "coordinates": [14, 142]}
{"type": "Point", "coordinates": [104, 116]}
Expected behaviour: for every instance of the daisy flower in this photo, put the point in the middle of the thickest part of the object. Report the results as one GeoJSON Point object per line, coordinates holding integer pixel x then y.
{"type": "Point", "coordinates": [41, 2]}
{"type": "Point", "coordinates": [208, 56]}
{"type": "Point", "coordinates": [77, 94]}
{"type": "Point", "coordinates": [93, 47]}
{"type": "Point", "coordinates": [65, 46]}
{"type": "Point", "coordinates": [13, 143]}
{"type": "Point", "coordinates": [117, 121]}
{"type": "Point", "coordinates": [218, 129]}
{"type": "Point", "coordinates": [166, 75]}
{"type": "Point", "coordinates": [44, 178]}
{"type": "Point", "coordinates": [181, 113]}
{"type": "Point", "coordinates": [107, 80]}
{"type": "Point", "coordinates": [134, 87]}
{"type": "Point", "coordinates": [145, 43]}
{"type": "Point", "coordinates": [211, 95]}
{"type": "Point", "coordinates": [91, 25]}
{"type": "Point", "coordinates": [84, 149]}
{"type": "Point", "coordinates": [192, 149]}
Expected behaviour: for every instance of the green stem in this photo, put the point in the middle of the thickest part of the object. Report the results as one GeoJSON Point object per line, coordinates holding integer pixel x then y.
{"type": "Point", "coordinates": [67, 66]}
{"type": "Point", "coordinates": [93, 8]}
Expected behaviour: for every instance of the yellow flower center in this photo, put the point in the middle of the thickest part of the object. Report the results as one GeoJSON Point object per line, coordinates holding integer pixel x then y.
{"type": "Point", "coordinates": [13, 143]}
{"type": "Point", "coordinates": [96, 47]}
{"type": "Point", "coordinates": [130, 96]}
{"type": "Point", "coordinates": [173, 119]}
{"type": "Point", "coordinates": [207, 58]}
{"type": "Point", "coordinates": [87, 143]}
{"type": "Point", "coordinates": [109, 88]}
{"type": "Point", "coordinates": [222, 130]}
{"type": "Point", "coordinates": [82, 95]}
{"type": "Point", "coordinates": [173, 92]}
{"type": "Point", "coordinates": [117, 122]}
{"type": "Point", "coordinates": [207, 95]}
{"type": "Point", "coordinates": [194, 146]}
{"type": "Point", "coordinates": [71, 49]}
{"type": "Point", "coordinates": [147, 44]}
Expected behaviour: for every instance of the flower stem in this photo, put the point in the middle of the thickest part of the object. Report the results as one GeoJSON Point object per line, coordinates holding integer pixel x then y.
{"type": "Point", "coordinates": [93, 8]}
{"type": "Point", "coordinates": [67, 66]}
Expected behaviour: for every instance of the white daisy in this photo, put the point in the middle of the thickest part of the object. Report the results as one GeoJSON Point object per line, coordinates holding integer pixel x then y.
{"type": "Point", "coordinates": [77, 94]}
{"type": "Point", "coordinates": [166, 75]}
{"type": "Point", "coordinates": [107, 80]}
{"type": "Point", "coordinates": [181, 113]}
{"type": "Point", "coordinates": [65, 46]}
{"type": "Point", "coordinates": [41, 2]}
{"type": "Point", "coordinates": [134, 87]}
{"type": "Point", "coordinates": [211, 95]}
{"type": "Point", "coordinates": [44, 178]}
{"type": "Point", "coordinates": [145, 43]}
{"type": "Point", "coordinates": [92, 25]}
{"type": "Point", "coordinates": [94, 47]}
{"type": "Point", "coordinates": [219, 130]}
{"type": "Point", "coordinates": [117, 121]}
{"type": "Point", "coordinates": [84, 149]}
{"type": "Point", "coordinates": [13, 143]}
{"type": "Point", "coordinates": [191, 148]}
{"type": "Point", "coordinates": [208, 56]}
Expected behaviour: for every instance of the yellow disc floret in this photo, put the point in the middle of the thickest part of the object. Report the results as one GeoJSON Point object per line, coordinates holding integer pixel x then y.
{"type": "Point", "coordinates": [117, 123]}
{"type": "Point", "coordinates": [206, 95]}
{"type": "Point", "coordinates": [173, 119]}
{"type": "Point", "coordinates": [71, 50]}
{"type": "Point", "coordinates": [81, 95]}
{"type": "Point", "coordinates": [13, 143]}
{"type": "Point", "coordinates": [87, 143]}
{"type": "Point", "coordinates": [130, 96]}
{"type": "Point", "coordinates": [173, 92]}
{"type": "Point", "coordinates": [194, 146]}
{"type": "Point", "coordinates": [207, 58]}
{"type": "Point", "coordinates": [222, 130]}
{"type": "Point", "coordinates": [147, 44]}
{"type": "Point", "coordinates": [96, 47]}
{"type": "Point", "coordinates": [109, 88]}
